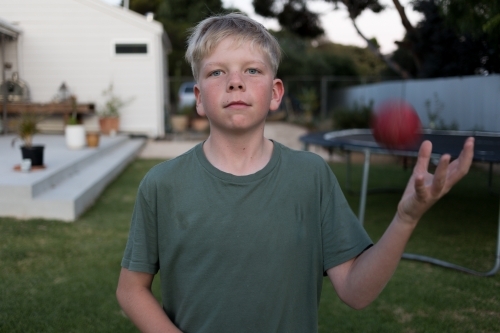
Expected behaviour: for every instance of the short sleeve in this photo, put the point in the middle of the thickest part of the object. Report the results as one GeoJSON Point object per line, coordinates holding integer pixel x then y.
{"type": "Point", "coordinates": [141, 252]}
{"type": "Point", "coordinates": [343, 235]}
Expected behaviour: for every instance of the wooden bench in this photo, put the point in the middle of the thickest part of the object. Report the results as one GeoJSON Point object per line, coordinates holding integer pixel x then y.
{"type": "Point", "coordinates": [63, 108]}
{"type": "Point", "coordinates": [49, 112]}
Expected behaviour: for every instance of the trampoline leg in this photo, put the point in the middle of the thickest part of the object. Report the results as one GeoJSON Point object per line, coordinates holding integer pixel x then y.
{"type": "Point", "coordinates": [364, 187]}
{"type": "Point", "coordinates": [348, 171]}
{"type": "Point", "coordinates": [491, 272]}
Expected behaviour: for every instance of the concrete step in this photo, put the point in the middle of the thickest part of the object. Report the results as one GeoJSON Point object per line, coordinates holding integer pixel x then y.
{"type": "Point", "coordinates": [72, 165]}
{"type": "Point", "coordinates": [71, 183]}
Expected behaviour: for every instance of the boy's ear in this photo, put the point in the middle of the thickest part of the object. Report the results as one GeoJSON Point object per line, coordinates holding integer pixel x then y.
{"type": "Point", "coordinates": [199, 105]}
{"type": "Point", "coordinates": [277, 94]}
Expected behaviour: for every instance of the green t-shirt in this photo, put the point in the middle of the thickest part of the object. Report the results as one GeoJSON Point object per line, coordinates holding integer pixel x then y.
{"type": "Point", "coordinates": [242, 253]}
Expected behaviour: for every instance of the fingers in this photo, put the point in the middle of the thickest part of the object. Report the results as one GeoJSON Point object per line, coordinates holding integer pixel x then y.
{"type": "Point", "coordinates": [420, 189]}
{"type": "Point", "coordinates": [461, 165]}
{"type": "Point", "coordinates": [440, 176]}
{"type": "Point", "coordinates": [424, 156]}
{"type": "Point", "coordinates": [466, 156]}
{"type": "Point", "coordinates": [446, 173]}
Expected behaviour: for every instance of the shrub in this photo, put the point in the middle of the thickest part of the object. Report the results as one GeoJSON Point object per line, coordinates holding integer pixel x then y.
{"type": "Point", "coordinates": [359, 116]}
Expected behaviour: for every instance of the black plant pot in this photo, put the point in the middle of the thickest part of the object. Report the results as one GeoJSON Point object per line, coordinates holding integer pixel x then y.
{"type": "Point", "coordinates": [34, 153]}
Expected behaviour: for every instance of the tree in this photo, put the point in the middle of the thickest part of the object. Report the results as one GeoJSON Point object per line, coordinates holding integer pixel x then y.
{"type": "Point", "coordinates": [297, 18]}
{"type": "Point", "coordinates": [478, 20]}
{"type": "Point", "coordinates": [450, 42]}
{"type": "Point", "coordinates": [293, 15]}
{"type": "Point", "coordinates": [177, 17]}
{"type": "Point", "coordinates": [366, 64]}
{"type": "Point", "coordinates": [456, 37]}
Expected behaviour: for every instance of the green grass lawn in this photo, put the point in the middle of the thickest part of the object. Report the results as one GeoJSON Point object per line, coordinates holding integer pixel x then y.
{"type": "Point", "coordinates": [61, 277]}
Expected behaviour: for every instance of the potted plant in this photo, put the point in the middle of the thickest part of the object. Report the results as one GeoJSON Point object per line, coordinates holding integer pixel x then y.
{"type": "Point", "coordinates": [180, 120]}
{"type": "Point", "coordinates": [26, 129]}
{"type": "Point", "coordinates": [93, 139]}
{"type": "Point", "coordinates": [109, 115]}
{"type": "Point", "coordinates": [199, 123]}
{"type": "Point", "coordinates": [74, 131]}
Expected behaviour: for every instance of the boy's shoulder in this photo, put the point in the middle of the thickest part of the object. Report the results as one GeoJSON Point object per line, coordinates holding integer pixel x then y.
{"type": "Point", "coordinates": [299, 157]}
{"type": "Point", "coordinates": [172, 168]}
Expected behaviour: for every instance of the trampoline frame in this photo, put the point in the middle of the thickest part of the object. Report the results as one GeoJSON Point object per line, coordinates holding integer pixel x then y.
{"type": "Point", "coordinates": [334, 139]}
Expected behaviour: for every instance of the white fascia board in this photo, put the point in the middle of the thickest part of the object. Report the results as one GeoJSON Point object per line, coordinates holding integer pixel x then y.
{"type": "Point", "coordinates": [8, 29]}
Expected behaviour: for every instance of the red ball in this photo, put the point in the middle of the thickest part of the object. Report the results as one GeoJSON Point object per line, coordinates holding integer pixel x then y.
{"type": "Point", "coordinates": [396, 125]}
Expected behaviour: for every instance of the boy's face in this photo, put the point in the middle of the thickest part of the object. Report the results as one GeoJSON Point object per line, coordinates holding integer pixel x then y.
{"type": "Point", "coordinates": [236, 87]}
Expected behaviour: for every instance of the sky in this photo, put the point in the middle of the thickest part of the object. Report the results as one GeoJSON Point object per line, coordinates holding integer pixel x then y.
{"type": "Point", "coordinates": [385, 26]}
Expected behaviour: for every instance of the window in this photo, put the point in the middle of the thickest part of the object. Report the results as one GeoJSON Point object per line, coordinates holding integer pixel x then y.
{"type": "Point", "coordinates": [131, 48]}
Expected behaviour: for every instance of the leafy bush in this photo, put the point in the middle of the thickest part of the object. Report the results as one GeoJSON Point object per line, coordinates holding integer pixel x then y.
{"type": "Point", "coordinates": [113, 104]}
{"type": "Point", "coordinates": [359, 116]}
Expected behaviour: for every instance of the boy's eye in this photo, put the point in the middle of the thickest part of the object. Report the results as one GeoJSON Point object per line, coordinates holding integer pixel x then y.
{"type": "Point", "coordinates": [216, 73]}
{"type": "Point", "coordinates": [253, 71]}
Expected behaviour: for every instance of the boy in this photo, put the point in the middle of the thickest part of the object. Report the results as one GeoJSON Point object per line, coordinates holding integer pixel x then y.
{"type": "Point", "coordinates": [242, 228]}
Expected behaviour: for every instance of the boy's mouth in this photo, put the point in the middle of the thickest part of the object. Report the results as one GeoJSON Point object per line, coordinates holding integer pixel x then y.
{"type": "Point", "coordinates": [236, 104]}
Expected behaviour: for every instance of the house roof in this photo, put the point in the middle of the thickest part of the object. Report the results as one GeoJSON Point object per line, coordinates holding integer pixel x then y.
{"type": "Point", "coordinates": [9, 30]}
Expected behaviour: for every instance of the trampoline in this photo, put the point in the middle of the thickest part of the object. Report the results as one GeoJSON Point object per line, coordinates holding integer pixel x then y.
{"type": "Point", "coordinates": [486, 149]}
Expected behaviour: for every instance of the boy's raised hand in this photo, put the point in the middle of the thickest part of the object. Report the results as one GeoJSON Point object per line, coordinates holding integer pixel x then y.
{"type": "Point", "coordinates": [424, 189]}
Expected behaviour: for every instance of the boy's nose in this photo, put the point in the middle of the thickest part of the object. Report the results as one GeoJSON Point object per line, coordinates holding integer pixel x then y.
{"type": "Point", "coordinates": [235, 83]}
{"type": "Point", "coordinates": [235, 86]}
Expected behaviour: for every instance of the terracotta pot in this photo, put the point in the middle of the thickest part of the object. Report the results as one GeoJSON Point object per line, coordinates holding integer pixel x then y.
{"type": "Point", "coordinates": [179, 122]}
{"type": "Point", "coordinates": [109, 125]}
{"type": "Point", "coordinates": [200, 124]}
{"type": "Point", "coordinates": [34, 153]}
{"type": "Point", "coordinates": [93, 139]}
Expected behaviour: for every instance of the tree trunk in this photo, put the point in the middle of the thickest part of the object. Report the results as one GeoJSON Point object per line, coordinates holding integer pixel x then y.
{"type": "Point", "coordinates": [404, 19]}
{"type": "Point", "coordinates": [393, 65]}
{"type": "Point", "coordinates": [410, 30]}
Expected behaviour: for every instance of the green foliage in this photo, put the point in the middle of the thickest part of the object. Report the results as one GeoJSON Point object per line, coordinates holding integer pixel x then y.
{"type": "Point", "coordinates": [308, 99]}
{"type": "Point", "coordinates": [405, 59]}
{"type": "Point", "coordinates": [479, 23]}
{"type": "Point", "coordinates": [113, 104]}
{"type": "Point", "coordinates": [471, 17]}
{"type": "Point", "coordinates": [364, 61]}
{"type": "Point", "coordinates": [433, 109]}
{"type": "Point", "coordinates": [292, 15]}
{"type": "Point", "coordinates": [295, 17]}
{"type": "Point", "coordinates": [73, 119]}
{"type": "Point", "coordinates": [144, 6]}
{"type": "Point", "coordinates": [188, 110]}
{"type": "Point", "coordinates": [177, 17]}
{"type": "Point", "coordinates": [27, 127]}
{"type": "Point", "coordinates": [301, 58]}
{"type": "Point", "coordinates": [359, 116]}
{"type": "Point", "coordinates": [454, 38]}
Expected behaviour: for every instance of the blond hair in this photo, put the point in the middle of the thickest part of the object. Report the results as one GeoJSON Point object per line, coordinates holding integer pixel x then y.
{"type": "Point", "coordinates": [211, 31]}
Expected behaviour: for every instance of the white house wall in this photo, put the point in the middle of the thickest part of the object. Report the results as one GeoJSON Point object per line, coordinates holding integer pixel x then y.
{"type": "Point", "coordinates": [72, 41]}
{"type": "Point", "coordinates": [470, 102]}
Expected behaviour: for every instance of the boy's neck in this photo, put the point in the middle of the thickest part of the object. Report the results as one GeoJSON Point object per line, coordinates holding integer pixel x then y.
{"type": "Point", "coordinates": [238, 154]}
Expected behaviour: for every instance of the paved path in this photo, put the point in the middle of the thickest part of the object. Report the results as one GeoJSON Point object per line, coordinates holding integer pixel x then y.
{"type": "Point", "coordinates": [284, 133]}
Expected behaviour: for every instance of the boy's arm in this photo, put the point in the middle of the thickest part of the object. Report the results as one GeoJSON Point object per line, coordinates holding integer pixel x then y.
{"type": "Point", "coordinates": [135, 298]}
{"type": "Point", "coordinates": [359, 281]}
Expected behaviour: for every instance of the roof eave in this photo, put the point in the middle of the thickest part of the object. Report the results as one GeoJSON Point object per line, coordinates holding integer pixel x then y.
{"type": "Point", "coordinates": [9, 29]}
